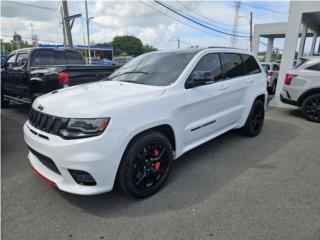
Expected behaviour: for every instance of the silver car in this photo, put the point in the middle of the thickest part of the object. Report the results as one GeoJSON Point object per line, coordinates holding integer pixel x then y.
{"type": "Point", "coordinates": [302, 88]}
{"type": "Point", "coordinates": [272, 71]}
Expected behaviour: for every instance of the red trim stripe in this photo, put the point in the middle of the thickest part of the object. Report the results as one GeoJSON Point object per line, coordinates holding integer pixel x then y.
{"type": "Point", "coordinates": [43, 177]}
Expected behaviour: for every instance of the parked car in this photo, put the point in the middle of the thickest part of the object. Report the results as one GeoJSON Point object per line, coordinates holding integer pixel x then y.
{"type": "Point", "coordinates": [272, 72]}
{"type": "Point", "coordinates": [302, 88]}
{"type": "Point", "coordinates": [132, 126]}
{"type": "Point", "coordinates": [29, 73]}
{"type": "Point", "coordinates": [120, 61]}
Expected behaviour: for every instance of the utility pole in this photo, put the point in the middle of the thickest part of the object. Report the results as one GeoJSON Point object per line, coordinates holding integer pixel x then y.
{"type": "Point", "coordinates": [63, 27]}
{"type": "Point", "coordinates": [88, 33]}
{"type": "Point", "coordinates": [250, 31]}
{"type": "Point", "coordinates": [178, 42]}
{"type": "Point", "coordinates": [67, 23]}
{"type": "Point", "coordinates": [233, 39]}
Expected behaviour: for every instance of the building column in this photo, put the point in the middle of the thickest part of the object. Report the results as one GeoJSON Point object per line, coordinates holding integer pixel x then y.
{"type": "Point", "coordinates": [302, 40]}
{"type": "Point", "coordinates": [313, 44]}
{"type": "Point", "coordinates": [269, 49]}
{"type": "Point", "coordinates": [255, 42]}
{"type": "Point", "coordinates": [290, 44]}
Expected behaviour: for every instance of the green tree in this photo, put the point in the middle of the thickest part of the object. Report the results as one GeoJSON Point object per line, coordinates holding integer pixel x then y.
{"type": "Point", "coordinates": [148, 48]}
{"type": "Point", "coordinates": [129, 44]}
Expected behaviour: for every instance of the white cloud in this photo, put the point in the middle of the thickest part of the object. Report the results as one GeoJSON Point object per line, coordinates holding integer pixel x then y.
{"type": "Point", "coordinates": [133, 18]}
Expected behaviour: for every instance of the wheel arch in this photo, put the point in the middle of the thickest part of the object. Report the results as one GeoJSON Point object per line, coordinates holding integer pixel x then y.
{"type": "Point", "coordinates": [165, 129]}
{"type": "Point", "coordinates": [307, 94]}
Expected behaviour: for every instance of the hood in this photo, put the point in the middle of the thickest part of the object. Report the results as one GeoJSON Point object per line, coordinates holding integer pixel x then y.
{"type": "Point", "coordinates": [95, 99]}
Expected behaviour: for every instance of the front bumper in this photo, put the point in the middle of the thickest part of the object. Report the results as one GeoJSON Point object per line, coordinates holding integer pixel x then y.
{"type": "Point", "coordinates": [99, 156]}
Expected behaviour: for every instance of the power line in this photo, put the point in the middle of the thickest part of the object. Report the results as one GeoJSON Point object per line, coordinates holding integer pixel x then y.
{"type": "Point", "coordinates": [264, 8]}
{"type": "Point", "coordinates": [210, 19]}
{"type": "Point", "coordinates": [165, 14]}
{"type": "Point", "coordinates": [30, 5]}
{"type": "Point", "coordinates": [196, 22]}
{"type": "Point", "coordinates": [198, 19]}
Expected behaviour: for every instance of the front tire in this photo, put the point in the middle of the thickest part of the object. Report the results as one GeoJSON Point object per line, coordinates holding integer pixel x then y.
{"type": "Point", "coordinates": [311, 108]}
{"type": "Point", "coordinates": [145, 165]}
{"type": "Point", "coordinates": [255, 120]}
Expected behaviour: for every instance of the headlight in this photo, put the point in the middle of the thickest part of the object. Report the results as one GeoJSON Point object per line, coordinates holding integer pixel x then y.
{"type": "Point", "coordinates": [81, 128]}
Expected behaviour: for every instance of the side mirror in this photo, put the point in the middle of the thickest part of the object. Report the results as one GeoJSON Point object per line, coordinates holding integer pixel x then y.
{"type": "Point", "coordinates": [201, 77]}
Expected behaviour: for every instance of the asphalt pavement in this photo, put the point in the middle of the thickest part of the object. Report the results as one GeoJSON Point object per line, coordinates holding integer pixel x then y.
{"type": "Point", "coordinates": [232, 187]}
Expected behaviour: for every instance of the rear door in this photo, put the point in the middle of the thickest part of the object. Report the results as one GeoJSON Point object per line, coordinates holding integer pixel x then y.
{"type": "Point", "coordinates": [238, 83]}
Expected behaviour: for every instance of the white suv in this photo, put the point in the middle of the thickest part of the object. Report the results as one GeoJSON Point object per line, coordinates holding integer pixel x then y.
{"type": "Point", "coordinates": [302, 88]}
{"type": "Point", "coordinates": [132, 125]}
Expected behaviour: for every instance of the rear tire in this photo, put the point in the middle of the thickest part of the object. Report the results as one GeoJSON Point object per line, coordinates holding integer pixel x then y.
{"type": "Point", "coordinates": [139, 174]}
{"type": "Point", "coordinates": [255, 120]}
{"type": "Point", "coordinates": [311, 108]}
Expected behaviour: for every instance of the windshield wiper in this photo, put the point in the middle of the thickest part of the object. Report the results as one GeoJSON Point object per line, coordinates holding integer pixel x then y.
{"type": "Point", "coordinates": [130, 81]}
{"type": "Point", "coordinates": [127, 73]}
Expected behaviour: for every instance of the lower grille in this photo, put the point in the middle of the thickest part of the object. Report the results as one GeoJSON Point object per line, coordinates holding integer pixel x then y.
{"type": "Point", "coordinates": [46, 161]}
{"type": "Point", "coordinates": [46, 122]}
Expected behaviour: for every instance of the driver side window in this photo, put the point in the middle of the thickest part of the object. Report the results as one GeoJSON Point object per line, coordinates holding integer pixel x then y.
{"type": "Point", "coordinates": [10, 61]}
{"type": "Point", "coordinates": [209, 63]}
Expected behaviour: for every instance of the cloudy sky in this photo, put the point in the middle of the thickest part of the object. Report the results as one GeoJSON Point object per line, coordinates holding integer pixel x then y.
{"type": "Point", "coordinates": [149, 21]}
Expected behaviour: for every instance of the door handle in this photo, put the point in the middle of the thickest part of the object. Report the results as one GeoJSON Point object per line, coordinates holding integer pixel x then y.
{"type": "Point", "coordinates": [223, 87]}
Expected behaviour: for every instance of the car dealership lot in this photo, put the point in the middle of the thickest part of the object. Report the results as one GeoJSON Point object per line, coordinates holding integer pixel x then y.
{"type": "Point", "coordinates": [232, 187]}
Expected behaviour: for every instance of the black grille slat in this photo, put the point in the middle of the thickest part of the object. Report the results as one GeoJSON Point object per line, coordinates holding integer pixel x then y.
{"type": "Point", "coordinates": [49, 124]}
{"type": "Point", "coordinates": [46, 122]}
{"type": "Point", "coordinates": [57, 126]}
{"type": "Point", "coordinates": [43, 121]}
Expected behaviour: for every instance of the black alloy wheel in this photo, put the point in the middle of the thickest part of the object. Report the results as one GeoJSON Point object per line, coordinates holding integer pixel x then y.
{"type": "Point", "coordinates": [311, 108]}
{"type": "Point", "coordinates": [255, 119]}
{"type": "Point", "coordinates": [146, 165]}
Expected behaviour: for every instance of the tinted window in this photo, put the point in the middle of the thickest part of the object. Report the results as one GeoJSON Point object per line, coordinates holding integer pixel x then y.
{"type": "Point", "coordinates": [74, 57]}
{"type": "Point", "coordinates": [156, 68]}
{"type": "Point", "coordinates": [21, 59]}
{"type": "Point", "coordinates": [48, 57]}
{"type": "Point", "coordinates": [10, 61]}
{"type": "Point", "coordinates": [315, 67]}
{"type": "Point", "coordinates": [210, 63]}
{"type": "Point", "coordinates": [251, 65]}
{"type": "Point", "coordinates": [232, 65]}
{"type": "Point", "coordinates": [275, 67]}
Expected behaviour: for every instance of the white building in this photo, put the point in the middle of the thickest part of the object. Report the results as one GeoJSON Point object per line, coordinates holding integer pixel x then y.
{"type": "Point", "coordinates": [303, 21]}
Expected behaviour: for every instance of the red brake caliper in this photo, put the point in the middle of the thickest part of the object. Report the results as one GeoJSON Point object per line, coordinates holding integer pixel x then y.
{"type": "Point", "coordinates": [156, 153]}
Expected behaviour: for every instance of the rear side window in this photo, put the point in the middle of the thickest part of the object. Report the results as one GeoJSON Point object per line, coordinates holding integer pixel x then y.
{"type": "Point", "coordinates": [232, 65]}
{"type": "Point", "coordinates": [74, 57]}
{"type": "Point", "coordinates": [315, 67]}
{"type": "Point", "coordinates": [210, 63]}
{"type": "Point", "coordinates": [48, 57]}
{"type": "Point", "coordinates": [251, 65]}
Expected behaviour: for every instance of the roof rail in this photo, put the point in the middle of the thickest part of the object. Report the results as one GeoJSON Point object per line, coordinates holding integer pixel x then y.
{"type": "Point", "coordinates": [226, 48]}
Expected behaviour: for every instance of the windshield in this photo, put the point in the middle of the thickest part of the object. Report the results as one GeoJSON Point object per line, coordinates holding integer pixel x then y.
{"type": "Point", "coordinates": [155, 68]}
